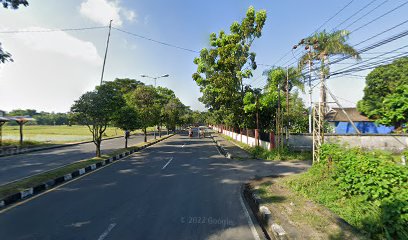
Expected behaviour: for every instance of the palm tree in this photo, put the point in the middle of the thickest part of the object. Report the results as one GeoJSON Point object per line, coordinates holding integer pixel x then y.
{"type": "Point", "coordinates": [322, 46]}
{"type": "Point", "coordinates": [285, 78]}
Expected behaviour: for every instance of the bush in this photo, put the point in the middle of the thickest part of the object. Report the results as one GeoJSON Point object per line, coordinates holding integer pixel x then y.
{"type": "Point", "coordinates": [369, 180]}
{"type": "Point", "coordinates": [282, 154]}
{"type": "Point", "coordinates": [377, 180]}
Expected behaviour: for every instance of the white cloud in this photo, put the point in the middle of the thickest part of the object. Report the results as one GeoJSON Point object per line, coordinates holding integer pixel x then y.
{"type": "Point", "coordinates": [102, 11]}
{"type": "Point", "coordinates": [60, 43]}
{"type": "Point", "coordinates": [129, 15]}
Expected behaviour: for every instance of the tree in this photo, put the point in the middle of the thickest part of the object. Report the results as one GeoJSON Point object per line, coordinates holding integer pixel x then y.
{"type": "Point", "coordinates": [326, 45]}
{"type": "Point", "coordinates": [165, 95]}
{"type": "Point", "coordinates": [394, 111]}
{"type": "Point", "coordinates": [124, 85]}
{"type": "Point", "coordinates": [385, 94]}
{"type": "Point", "coordinates": [127, 119]}
{"type": "Point", "coordinates": [13, 4]}
{"type": "Point", "coordinates": [382, 82]}
{"type": "Point", "coordinates": [145, 101]}
{"type": "Point", "coordinates": [172, 113]}
{"type": "Point", "coordinates": [96, 109]}
{"type": "Point", "coordinates": [222, 68]}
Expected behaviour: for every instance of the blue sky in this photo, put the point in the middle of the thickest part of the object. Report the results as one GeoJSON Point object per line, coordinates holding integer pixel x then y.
{"type": "Point", "coordinates": [51, 70]}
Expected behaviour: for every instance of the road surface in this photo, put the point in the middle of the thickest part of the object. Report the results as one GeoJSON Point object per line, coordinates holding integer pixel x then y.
{"type": "Point", "coordinates": [23, 165]}
{"type": "Point", "coordinates": [180, 188]}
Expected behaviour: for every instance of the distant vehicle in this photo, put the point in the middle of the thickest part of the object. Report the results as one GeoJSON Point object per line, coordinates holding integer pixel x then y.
{"type": "Point", "coordinates": [201, 131]}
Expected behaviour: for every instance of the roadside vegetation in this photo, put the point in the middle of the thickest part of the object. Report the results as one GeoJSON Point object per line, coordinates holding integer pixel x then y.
{"type": "Point", "coordinates": [274, 154]}
{"type": "Point", "coordinates": [366, 189]}
{"type": "Point", "coordinates": [20, 185]}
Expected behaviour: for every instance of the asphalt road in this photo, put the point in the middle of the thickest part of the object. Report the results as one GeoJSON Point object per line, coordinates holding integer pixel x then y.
{"type": "Point", "coordinates": [23, 165]}
{"type": "Point", "coordinates": [180, 188]}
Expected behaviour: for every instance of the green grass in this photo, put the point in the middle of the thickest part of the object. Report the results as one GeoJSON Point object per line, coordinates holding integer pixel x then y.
{"type": "Point", "coordinates": [275, 154]}
{"type": "Point", "coordinates": [33, 181]}
{"type": "Point", "coordinates": [38, 134]}
{"type": "Point", "coordinates": [364, 188]}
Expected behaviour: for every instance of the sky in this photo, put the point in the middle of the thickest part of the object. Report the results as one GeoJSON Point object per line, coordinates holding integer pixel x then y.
{"type": "Point", "coordinates": [52, 69]}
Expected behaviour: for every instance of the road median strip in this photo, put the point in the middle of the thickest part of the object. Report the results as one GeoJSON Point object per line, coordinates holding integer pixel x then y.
{"type": "Point", "coordinates": [25, 188]}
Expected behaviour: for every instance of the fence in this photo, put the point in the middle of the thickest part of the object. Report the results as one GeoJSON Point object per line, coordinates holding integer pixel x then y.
{"type": "Point", "coordinates": [303, 142]}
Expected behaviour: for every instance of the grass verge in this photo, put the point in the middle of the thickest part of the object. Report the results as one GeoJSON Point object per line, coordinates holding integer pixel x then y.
{"type": "Point", "coordinates": [14, 187]}
{"type": "Point", "coordinates": [275, 154]}
{"type": "Point", "coordinates": [364, 188]}
{"type": "Point", "coordinates": [300, 218]}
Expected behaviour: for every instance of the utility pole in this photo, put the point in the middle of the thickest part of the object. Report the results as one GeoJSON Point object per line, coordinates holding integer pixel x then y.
{"type": "Point", "coordinates": [278, 121]}
{"type": "Point", "coordinates": [287, 104]}
{"type": "Point", "coordinates": [106, 50]}
{"type": "Point", "coordinates": [310, 90]}
{"type": "Point", "coordinates": [308, 47]}
{"type": "Point", "coordinates": [257, 117]}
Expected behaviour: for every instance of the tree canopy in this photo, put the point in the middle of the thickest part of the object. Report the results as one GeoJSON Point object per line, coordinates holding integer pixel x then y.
{"type": "Point", "coordinates": [13, 4]}
{"type": "Point", "coordinates": [97, 109]}
{"type": "Point", "coordinates": [222, 68]}
{"type": "Point", "coordinates": [385, 93]}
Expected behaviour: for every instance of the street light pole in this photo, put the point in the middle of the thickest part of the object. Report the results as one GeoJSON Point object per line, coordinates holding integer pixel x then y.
{"type": "Point", "coordinates": [155, 81]}
{"type": "Point", "coordinates": [155, 78]}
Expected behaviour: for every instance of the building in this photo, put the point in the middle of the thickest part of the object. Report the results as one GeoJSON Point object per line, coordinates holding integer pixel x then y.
{"type": "Point", "coordinates": [2, 113]}
{"type": "Point", "coordinates": [341, 125]}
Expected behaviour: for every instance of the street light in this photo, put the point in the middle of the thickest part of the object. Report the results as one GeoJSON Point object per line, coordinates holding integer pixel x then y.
{"type": "Point", "coordinates": [155, 78]}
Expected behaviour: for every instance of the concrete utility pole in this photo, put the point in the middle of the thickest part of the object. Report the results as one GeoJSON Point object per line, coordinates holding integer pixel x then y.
{"type": "Point", "coordinates": [308, 47]}
{"type": "Point", "coordinates": [106, 50]}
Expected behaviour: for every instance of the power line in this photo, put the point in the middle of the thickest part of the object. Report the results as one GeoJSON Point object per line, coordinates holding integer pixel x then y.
{"type": "Point", "coordinates": [372, 10]}
{"type": "Point", "coordinates": [361, 9]}
{"type": "Point", "coordinates": [333, 16]}
{"type": "Point", "coordinates": [338, 12]}
{"type": "Point", "coordinates": [51, 30]}
{"type": "Point", "coordinates": [155, 41]}
{"type": "Point", "coordinates": [379, 17]}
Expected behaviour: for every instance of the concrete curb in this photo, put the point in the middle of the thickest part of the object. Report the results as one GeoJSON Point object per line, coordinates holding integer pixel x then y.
{"type": "Point", "coordinates": [221, 149]}
{"type": "Point", "coordinates": [11, 199]}
{"type": "Point", "coordinates": [263, 215]}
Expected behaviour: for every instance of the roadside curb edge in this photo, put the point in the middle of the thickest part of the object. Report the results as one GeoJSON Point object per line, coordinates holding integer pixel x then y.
{"type": "Point", "coordinates": [22, 195]}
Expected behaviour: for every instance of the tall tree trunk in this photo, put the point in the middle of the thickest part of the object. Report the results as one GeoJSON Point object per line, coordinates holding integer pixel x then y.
{"type": "Point", "coordinates": [126, 142]}
{"type": "Point", "coordinates": [1, 133]}
{"type": "Point", "coordinates": [145, 134]}
{"type": "Point", "coordinates": [159, 129]}
{"type": "Point", "coordinates": [98, 148]}
{"type": "Point", "coordinates": [21, 132]}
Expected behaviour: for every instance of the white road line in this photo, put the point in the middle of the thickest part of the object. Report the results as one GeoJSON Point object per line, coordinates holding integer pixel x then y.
{"type": "Point", "coordinates": [167, 163]}
{"type": "Point", "coordinates": [105, 234]}
{"type": "Point", "coordinates": [183, 145]}
{"type": "Point", "coordinates": [250, 223]}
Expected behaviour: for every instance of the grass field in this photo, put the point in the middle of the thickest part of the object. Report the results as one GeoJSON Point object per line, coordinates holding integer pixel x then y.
{"type": "Point", "coordinates": [53, 134]}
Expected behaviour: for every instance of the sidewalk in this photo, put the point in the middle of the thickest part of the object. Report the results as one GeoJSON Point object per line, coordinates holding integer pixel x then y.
{"type": "Point", "coordinates": [231, 150]}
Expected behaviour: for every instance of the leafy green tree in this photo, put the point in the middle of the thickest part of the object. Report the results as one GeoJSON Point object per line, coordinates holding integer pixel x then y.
{"type": "Point", "coordinates": [222, 68]}
{"type": "Point", "coordinates": [13, 4]}
{"type": "Point", "coordinates": [326, 45]}
{"type": "Point", "coordinates": [394, 110]}
{"type": "Point", "coordinates": [124, 85]}
{"type": "Point", "coordinates": [127, 119]}
{"type": "Point", "coordinates": [97, 109]}
{"type": "Point", "coordinates": [165, 95]}
{"type": "Point", "coordinates": [172, 112]}
{"type": "Point", "coordinates": [381, 83]}
{"type": "Point", "coordinates": [145, 100]}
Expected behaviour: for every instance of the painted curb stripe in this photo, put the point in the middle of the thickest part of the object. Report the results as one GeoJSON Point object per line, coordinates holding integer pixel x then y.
{"type": "Point", "coordinates": [52, 183]}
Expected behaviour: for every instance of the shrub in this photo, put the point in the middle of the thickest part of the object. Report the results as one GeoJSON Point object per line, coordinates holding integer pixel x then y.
{"type": "Point", "coordinates": [376, 179]}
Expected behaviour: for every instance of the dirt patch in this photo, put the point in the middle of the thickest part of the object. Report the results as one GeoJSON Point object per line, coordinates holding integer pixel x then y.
{"type": "Point", "coordinates": [300, 217]}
